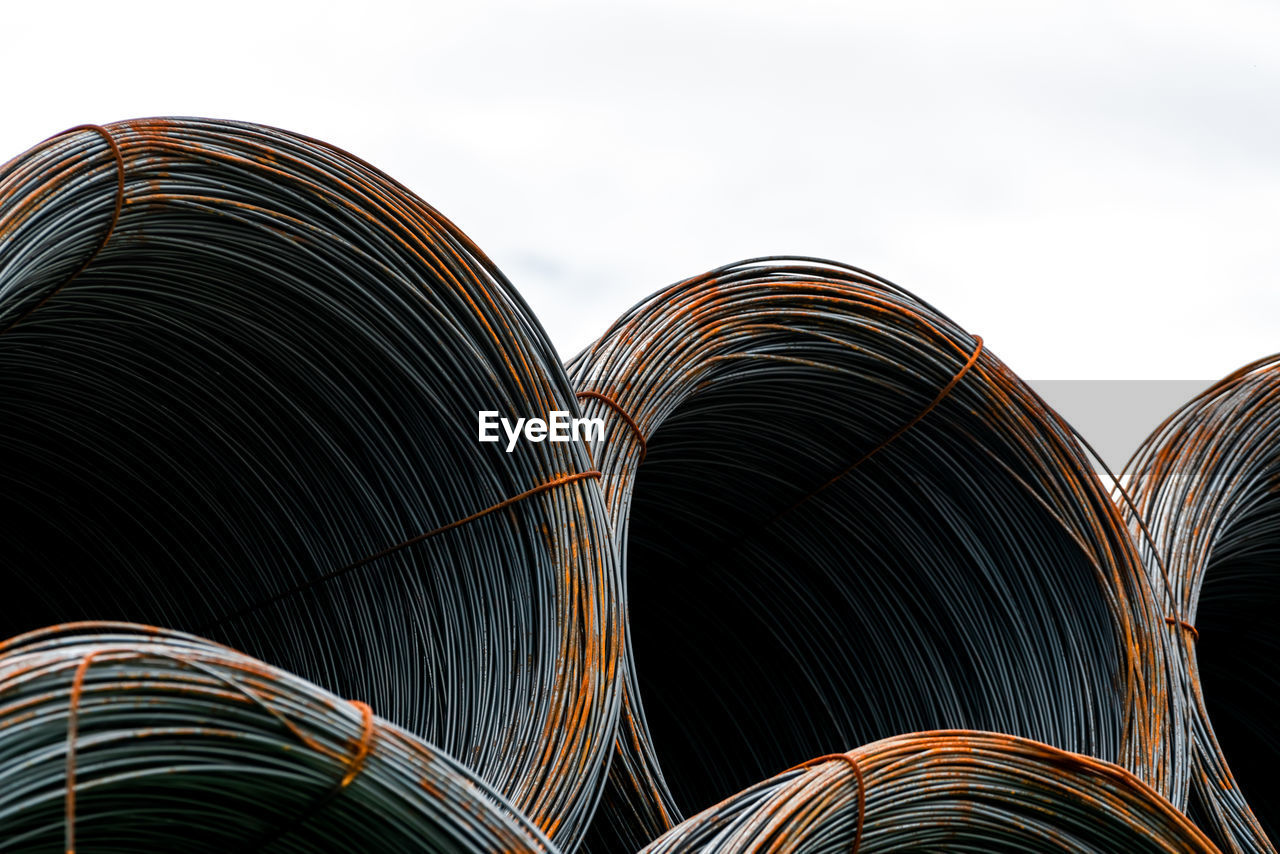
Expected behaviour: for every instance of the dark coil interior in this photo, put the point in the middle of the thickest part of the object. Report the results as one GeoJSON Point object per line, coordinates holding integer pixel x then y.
{"type": "Point", "coordinates": [924, 590]}
{"type": "Point", "coordinates": [1239, 645]}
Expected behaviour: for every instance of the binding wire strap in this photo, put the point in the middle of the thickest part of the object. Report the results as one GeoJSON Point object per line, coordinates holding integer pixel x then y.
{"type": "Point", "coordinates": [240, 372]}
{"type": "Point", "coordinates": [21, 312]}
{"type": "Point", "coordinates": [943, 791]}
{"type": "Point", "coordinates": [1207, 484]}
{"type": "Point", "coordinates": [175, 743]}
{"type": "Point", "coordinates": [853, 521]}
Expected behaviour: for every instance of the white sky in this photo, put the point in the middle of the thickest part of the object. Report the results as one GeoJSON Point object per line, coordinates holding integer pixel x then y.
{"type": "Point", "coordinates": [1092, 187]}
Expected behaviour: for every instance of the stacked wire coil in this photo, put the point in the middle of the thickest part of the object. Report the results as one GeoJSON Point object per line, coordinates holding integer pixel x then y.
{"type": "Point", "coordinates": [943, 791]}
{"type": "Point", "coordinates": [841, 519]}
{"type": "Point", "coordinates": [240, 371]}
{"type": "Point", "coordinates": [168, 742]}
{"type": "Point", "coordinates": [1206, 485]}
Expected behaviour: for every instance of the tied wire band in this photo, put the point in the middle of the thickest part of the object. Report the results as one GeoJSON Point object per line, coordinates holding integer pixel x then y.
{"type": "Point", "coordinates": [942, 395]}
{"type": "Point", "coordinates": [106, 235]}
{"type": "Point", "coordinates": [754, 375]}
{"type": "Point", "coordinates": [852, 761]}
{"type": "Point", "coordinates": [73, 725]}
{"type": "Point", "coordinates": [412, 541]}
{"type": "Point", "coordinates": [1187, 627]}
{"type": "Point", "coordinates": [354, 764]}
{"type": "Point", "coordinates": [616, 407]}
{"type": "Point", "coordinates": [890, 439]}
{"type": "Point", "coordinates": [178, 743]}
{"type": "Point", "coordinates": [726, 549]}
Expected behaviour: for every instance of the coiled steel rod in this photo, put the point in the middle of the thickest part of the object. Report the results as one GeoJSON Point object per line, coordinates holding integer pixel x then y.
{"type": "Point", "coordinates": [943, 791]}
{"type": "Point", "coordinates": [122, 738]}
{"type": "Point", "coordinates": [843, 518]}
{"type": "Point", "coordinates": [1207, 484]}
{"type": "Point", "coordinates": [239, 376]}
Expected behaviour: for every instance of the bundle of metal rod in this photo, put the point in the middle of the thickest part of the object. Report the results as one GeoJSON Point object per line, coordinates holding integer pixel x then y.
{"type": "Point", "coordinates": [116, 737]}
{"type": "Point", "coordinates": [1207, 484]}
{"type": "Point", "coordinates": [240, 372]}
{"type": "Point", "coordinates": [944, 791]}
{"type": "Point", "coordinates": [843, 518]}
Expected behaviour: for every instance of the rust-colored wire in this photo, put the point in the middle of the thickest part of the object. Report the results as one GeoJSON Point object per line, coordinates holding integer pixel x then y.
{"type": "Point", "coordinates": [943, 791]}
{"type": "Point", "coordinates": [1205, 484]}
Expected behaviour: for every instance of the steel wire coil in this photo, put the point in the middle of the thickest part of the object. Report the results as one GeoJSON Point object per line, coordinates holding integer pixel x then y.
{"type": "Point", "coordinates": [943, 791]}
{"type": "Point", "coordinates": [123, 738]}
{"type": "Point", "coordinates": [1207, 485]}
{"type": "Point", "coordinates": [841, 519]}
{"type": "Point", "coordinates": [239, 376]}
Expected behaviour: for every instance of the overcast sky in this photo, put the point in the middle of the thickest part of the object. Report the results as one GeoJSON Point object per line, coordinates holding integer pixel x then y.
{"type": "Point", "coordinates": [1092, 187]}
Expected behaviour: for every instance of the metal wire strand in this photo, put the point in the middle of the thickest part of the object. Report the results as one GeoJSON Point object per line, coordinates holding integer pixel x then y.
{"type": "Point", "coordinates": [1207, 485]}
{"type": "Point", "coordinates": [240, 372]}
{"type": "Point", "coordinates": [943, 791]}
{"type": "Point", "coordinates": [852, 521]}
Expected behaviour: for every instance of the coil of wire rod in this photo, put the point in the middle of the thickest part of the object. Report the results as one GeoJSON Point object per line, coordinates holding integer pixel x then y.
{"type": "Point", "coordinates": [843, 518]}
{"type": "Point", "coordinates": [240, 371]}
{"type": "Point", "coordinates": [116, 737]}
{"type": "Point", "coordinates": [1207, 485]}
{"type": "Point", "coordinates": [943, 791]}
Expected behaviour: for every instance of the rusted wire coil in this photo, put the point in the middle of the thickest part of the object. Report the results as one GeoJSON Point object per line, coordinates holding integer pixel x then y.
{"type": "Point", "coordinates": [1207, 484]}
{"type": "Point", "coordinates": [944, 791]}
{"type": "Point", "coordinates": [853, 521]}
{"type": "Point", "coordinates": [240, 372]}
{"type": "Point", "coordinates": [168, 742]}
